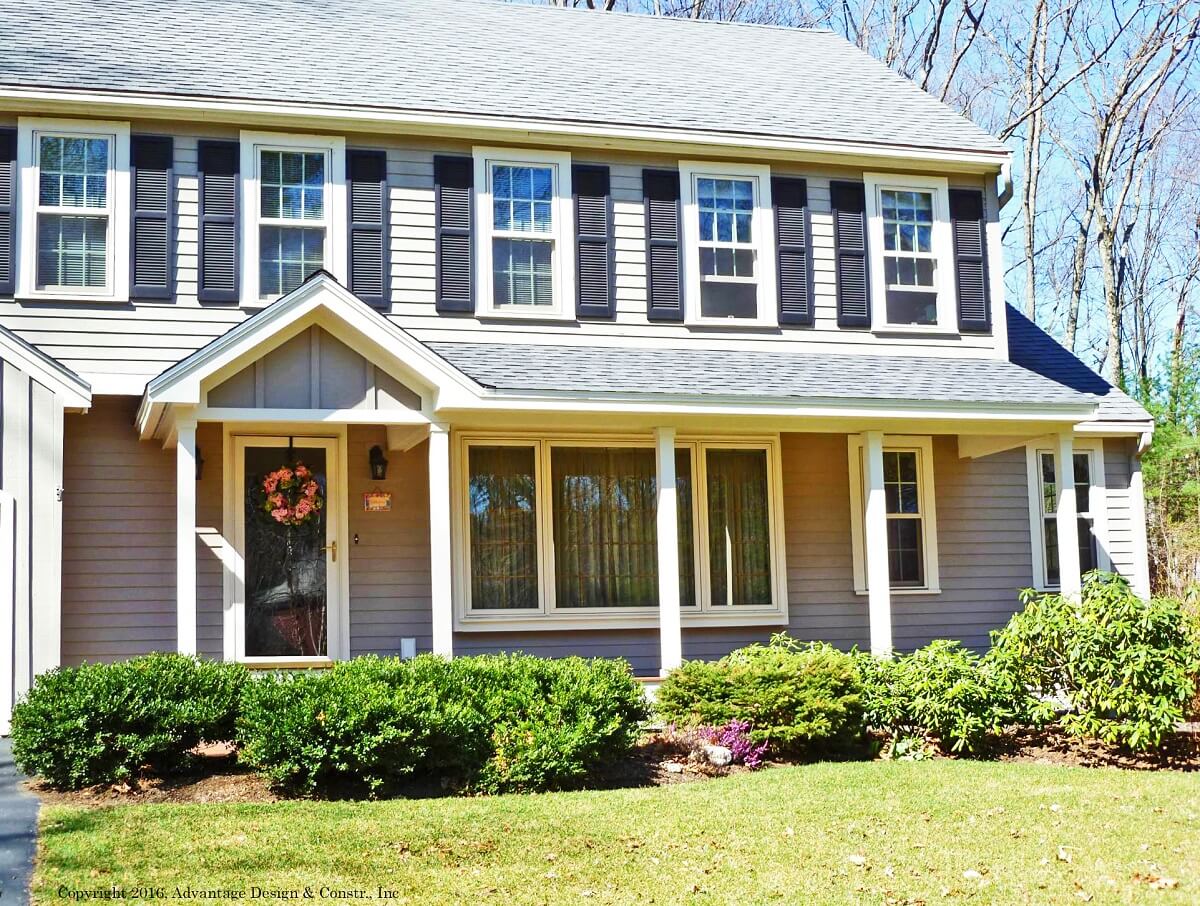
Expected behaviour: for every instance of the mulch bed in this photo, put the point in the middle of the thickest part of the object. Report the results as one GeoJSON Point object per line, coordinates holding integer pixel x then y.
{"type": "Point", "coordinates": [657, 761]}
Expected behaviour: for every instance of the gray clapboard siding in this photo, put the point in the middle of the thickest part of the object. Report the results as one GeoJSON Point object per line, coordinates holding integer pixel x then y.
{"type": "Point", "coordinates": [390, 595]}
{"type": "Point", "coordinates": [1118, 454]}
{"type": "Point", "coordinates": [138, 341]}
{"type": "Point", "coordinates": [118, 595]}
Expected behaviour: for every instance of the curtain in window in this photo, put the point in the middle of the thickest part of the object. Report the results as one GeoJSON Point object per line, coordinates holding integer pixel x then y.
{"type": "Point", "coordinates": [503, 517]}
{"type": "Point", "coordinates": [687, 545]}
{"type": "Point", "coordinates": [739, 527]}
{"type": "Point", "coordinates": [605, 535]}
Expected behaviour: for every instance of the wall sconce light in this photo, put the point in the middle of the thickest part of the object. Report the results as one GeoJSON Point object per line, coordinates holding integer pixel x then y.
{"type": "Point", "coordinates": [378, 463]}
{"type": "Point", "coordinates": [199, 464]}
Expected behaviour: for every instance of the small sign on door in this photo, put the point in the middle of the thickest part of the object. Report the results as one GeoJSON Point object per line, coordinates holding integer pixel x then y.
{"type": "Point", "coordinates": [377, 501]}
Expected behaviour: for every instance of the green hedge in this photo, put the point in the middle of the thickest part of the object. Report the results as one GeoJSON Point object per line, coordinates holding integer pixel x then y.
{"type": "Point", "coordinates": [803, 700]}
{"type": "Point", "coordinates": [492, 723]}
{"type": "Point", "coordinates": [102, 723]}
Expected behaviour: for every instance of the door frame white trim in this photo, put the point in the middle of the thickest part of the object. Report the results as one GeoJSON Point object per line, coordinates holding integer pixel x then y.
{"type": "Point", "coordinates": [236, 437]}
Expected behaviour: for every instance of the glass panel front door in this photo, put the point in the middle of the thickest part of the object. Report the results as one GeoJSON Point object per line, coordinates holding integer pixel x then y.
{"type": "Point", "coordinates": [286, 506]}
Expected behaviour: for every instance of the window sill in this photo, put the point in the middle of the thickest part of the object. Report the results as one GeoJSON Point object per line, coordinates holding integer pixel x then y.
{"type": "Point", "coordinates": [553, 623]}
{"type": "Point", "coordinates": [68, 296]}
{"type": "Point", "coordinates": [731, 324]}
{"type": "Point", "coordinates": [550, 316]}
{"type": "Point", "coordinates": [905, 592]}
{"type": "Point", "coordinates": [944, 333]}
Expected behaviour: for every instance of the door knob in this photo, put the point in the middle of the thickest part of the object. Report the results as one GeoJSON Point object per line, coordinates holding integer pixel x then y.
{"type": "Point", "coordinates": [332, 548]}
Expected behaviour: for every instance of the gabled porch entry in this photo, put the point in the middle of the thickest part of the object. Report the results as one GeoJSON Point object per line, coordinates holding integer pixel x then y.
{"type": "Point", "coordinates": [271, 407]}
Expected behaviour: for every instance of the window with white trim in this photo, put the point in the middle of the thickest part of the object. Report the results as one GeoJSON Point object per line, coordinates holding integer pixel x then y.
{"type": "Point", "coordinates": [567, 528]}
{"type": "Point", "coordinates": [910, 511]}
{"type": "Point", "coordinates": [74, 222]}
{"type": "Point", "coordinates": [524, 216]}
{"type": "Point", "coordinates": [1090, 510]}
{"type": "Point", "coordinates": [728, 243]}
{"type": "Point", "coordinates": [912, 268]}
{"type": "Point", "coordinates": [294, 196]}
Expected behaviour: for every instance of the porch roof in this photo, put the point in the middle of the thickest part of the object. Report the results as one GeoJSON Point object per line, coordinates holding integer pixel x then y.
{"type": "Point", "coordinates": [747, 375]}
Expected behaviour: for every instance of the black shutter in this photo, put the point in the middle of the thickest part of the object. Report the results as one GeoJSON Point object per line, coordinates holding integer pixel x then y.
{"type": "Point", "coordinates": [8, 210]}
{"type": "Point", "coordinates": [664, 262]}
{"type": "Point", "coordinates": [367, 173]}
{"type": "Point", "coordinates": [219, 216]}
{"type": "Point", "coordinates": [849, 203]}
{"type": "Point", "coordinates": [454, 198]}
{"type": "Point", "coordinates": [969, 227]}
{"type": "Point", "coordinates": [153, 181]}
{"type": "Point", "coordinates": [594, 246]}
{"type": "Point", "coordinates": [789, 195]}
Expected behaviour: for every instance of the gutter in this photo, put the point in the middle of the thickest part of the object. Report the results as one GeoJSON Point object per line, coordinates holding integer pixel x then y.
{"type": "Point", "coordinates": [97, 102]}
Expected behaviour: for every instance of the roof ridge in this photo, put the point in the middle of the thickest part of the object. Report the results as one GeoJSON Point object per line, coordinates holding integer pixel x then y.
{"type": "Point", "coordinates": [628, 14]}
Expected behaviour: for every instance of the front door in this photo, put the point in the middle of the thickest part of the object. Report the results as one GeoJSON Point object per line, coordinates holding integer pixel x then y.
{"type": "Point", "coordinates": [286, 589]}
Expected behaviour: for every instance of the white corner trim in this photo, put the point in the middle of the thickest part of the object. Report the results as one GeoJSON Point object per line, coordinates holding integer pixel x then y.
{"type": "Point", "coordinates": [336, 255]}
{"type": "Point", "coordinates": [562, 233]}
{"type": "Point", "coordinates": [923, 445]}
{"type": "Point", "coordinates": [762, 229]}
{"type": "Point", "coordinates": [943, 250]}
{"type": "Point", "coordinates": [118, 191]}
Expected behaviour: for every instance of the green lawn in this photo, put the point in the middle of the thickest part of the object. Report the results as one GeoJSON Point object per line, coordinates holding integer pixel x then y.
{"type": "Point", "coordinates": [829, 833]}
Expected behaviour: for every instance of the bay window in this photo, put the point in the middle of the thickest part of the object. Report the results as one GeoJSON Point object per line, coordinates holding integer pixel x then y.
{"type": "Point", "coordinates": [525, 217]}
{"type": "Point", "coordinates": [566, 530]}
{"type": "Point", "coordinates": [294, 199]}
{"type": "Point", "coordinates": [1086, 476]}
{"type": "Point", "coordinates": [912, 269]}
{"type": "Point", "coordinates": [910, 512]}
{"type": "Point", "coordinates": [74, 223]}
{"type": "Point", "coordinates": [728, 243]}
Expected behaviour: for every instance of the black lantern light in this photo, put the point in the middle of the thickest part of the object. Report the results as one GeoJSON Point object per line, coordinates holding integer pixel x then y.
{"type": "Point", "coordinates": [378, 463]}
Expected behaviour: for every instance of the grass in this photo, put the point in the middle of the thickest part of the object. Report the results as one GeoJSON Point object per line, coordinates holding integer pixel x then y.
{"type": "Point", "coordinates": [880, 832]}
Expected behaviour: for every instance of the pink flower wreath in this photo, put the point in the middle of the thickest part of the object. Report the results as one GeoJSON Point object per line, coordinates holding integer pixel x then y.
{"type": "Point", "coordinates": [293, 496]}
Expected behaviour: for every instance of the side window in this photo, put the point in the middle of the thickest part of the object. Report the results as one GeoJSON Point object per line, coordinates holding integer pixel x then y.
{"type": "Point", "coordinates": [1088, 493]}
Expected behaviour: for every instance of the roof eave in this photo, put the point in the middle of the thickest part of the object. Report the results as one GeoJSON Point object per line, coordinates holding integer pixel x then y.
{"type": "Point", "coordinates": [284, 114]}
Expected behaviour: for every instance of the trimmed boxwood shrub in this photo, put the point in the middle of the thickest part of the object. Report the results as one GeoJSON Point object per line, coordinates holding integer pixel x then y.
{"type": "Point", "coordinates": [802, 699]}
{"type": "Point", "coordinates": [103, 723]}
{"type": "Point", "coordinates": [493, 723]}
{"type": "Point", "coordinates": [942, 690]}
{"type": "Point", "coordinates": [1107, 665]}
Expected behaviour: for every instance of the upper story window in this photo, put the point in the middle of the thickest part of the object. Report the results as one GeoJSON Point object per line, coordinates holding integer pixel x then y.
{"type": "Point", "coordinates": [728, 243]}
{"type": "Point", "coordinates": [912, 269]}
{"type": "Point", "coordinates": [525, 266]}
{"type": "Point", "coordinates": [74, 227]}
{"type": "Point", "coordinates": [294, 196]}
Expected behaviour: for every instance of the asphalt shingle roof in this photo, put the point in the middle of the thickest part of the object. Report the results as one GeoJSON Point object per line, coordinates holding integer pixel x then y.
{"type": "Point", "coordinates": [752, 374]}
{"type": "Point", "coordinates": [1040, 371]}
{"type": "Point", "coordinates": [485, 59]}
{"type": "Point", "coordinates": [1032, 348]}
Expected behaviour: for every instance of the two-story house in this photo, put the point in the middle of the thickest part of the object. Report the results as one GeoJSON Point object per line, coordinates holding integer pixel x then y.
{"type": "Point", "coordinates": [585, 334]}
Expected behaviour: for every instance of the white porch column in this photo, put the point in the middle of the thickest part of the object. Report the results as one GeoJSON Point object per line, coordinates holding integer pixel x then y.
{"type": "Point", "coordinates": [185, 535]}
{"type": "Point", "coordinates": [669, 622]}
{"type": "Point", "coordinates": [879, 583]}
{"type": "Point", "coordinates": [439, 540]}
{"type": "Point", "coordinates": [1066, 517]}
{"type": "Point", "coordinates": [1141, 548]}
